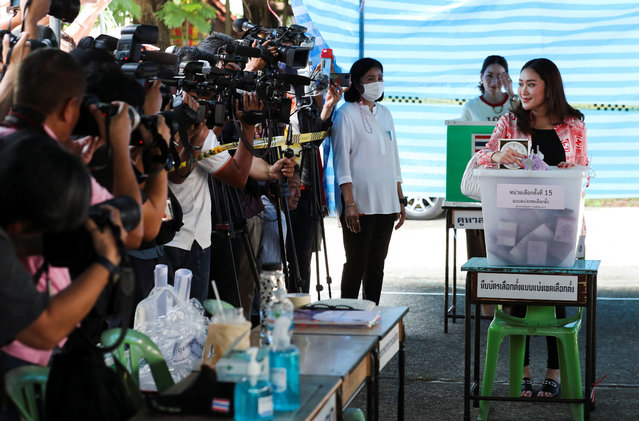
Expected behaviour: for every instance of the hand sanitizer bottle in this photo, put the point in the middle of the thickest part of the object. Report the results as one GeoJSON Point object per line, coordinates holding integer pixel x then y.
{"type": "Point", "coordinates": [253, 397]}
{"type": "Point", "coordinates": [284, 359]}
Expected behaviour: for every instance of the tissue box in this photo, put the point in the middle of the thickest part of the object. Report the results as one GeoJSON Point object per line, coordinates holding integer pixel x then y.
{"type": "Point", "coordinates": [232, 366]}
{"type": "Point", "coordinates": [532, 218]}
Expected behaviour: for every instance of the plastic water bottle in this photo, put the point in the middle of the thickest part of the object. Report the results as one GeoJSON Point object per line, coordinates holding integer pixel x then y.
{"type": "Point", "coordinates": [270, 277]}
{"type": "Point", "coordinates": [284, 360]}
{"type": "Point", "coordinates": [253, 397]}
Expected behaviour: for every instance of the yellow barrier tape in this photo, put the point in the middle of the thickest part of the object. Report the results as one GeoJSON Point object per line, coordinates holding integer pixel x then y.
{"type": "Point", "coordinates": [579, 106]}
{"type": "Point", "coordinates": [260, 143]}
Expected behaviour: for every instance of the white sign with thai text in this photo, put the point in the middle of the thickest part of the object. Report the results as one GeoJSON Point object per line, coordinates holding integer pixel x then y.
{"type": "Point", "coordinates": [531, 196]}
{"type": "Point", "coordinates": [328, 411]}
{"type": "Point", "coordinates": [468, 219]}
{"type": "Point", "coordinates": [527, 287]}
{"type": "Point", "coordinates": [388, 346]}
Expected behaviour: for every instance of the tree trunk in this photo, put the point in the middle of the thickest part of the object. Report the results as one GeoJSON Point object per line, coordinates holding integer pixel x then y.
{"type": "Point", "coordinates": [149, 7]}
{"type": "Point", "coordinates": [256, 12]}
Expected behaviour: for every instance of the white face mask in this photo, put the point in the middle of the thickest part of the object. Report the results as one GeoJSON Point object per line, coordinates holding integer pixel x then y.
{"type": "Point", "coordinates": [373, 90]}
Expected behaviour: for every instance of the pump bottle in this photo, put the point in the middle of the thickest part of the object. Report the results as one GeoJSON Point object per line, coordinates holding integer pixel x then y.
{"type": "Point", "coordinates": [284, 359]}
{"type": "Point", "coordinates": [253, 397]}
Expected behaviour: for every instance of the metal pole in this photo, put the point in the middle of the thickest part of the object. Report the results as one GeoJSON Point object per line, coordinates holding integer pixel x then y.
{"type": "Point", "coordinates": [103, 28]}
{"type": "Point", "coordinates": [54, 24]}
{"type": "Point", "coordinates": [361, 30]}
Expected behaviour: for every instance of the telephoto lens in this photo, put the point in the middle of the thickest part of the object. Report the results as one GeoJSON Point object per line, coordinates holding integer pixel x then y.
{"type": "Point", "coordinates": [65, 10]}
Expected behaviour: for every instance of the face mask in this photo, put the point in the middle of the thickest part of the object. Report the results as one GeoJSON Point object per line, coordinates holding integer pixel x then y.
{"type": "Point", "coordinates": [373, 90]}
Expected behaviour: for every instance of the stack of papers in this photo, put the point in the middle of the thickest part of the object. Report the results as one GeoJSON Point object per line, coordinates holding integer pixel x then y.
{"type": "Point", "coordinates": [337, 318]}
{"type": "Point", "coordinates": [341, 304]}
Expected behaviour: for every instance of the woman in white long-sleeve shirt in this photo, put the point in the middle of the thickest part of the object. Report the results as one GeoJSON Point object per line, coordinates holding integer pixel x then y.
{"type": "Point", "coordinates": [366, 165]}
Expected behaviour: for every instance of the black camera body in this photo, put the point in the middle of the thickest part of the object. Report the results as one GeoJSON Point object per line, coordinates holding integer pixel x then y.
{"type": "Point", "coordinates": [129, 49]}
{"type": "Point", "coordinates": [74, 249]}
{"type": "Point", "coordinates": [46, 38]}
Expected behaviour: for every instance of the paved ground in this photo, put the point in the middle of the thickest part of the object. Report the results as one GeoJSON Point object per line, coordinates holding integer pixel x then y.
{"type": "Point", "coordinates": [434, 371]}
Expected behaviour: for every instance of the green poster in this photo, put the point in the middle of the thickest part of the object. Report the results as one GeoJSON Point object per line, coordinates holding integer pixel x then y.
{"type": "Point", "coordinates": [463, 138]}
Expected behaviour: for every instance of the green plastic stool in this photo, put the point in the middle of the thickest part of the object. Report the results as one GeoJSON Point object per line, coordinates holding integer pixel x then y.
{"type": "Point", "coordinates": [26, 386]}
{"type": "Point", "coordinates": [539, 321]}
{"type": "Point", "coordinates": [139, 346]}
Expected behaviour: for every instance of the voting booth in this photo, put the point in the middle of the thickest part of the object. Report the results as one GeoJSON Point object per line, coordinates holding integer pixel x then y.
{"type": "Point", "coordinates": [463, 139]}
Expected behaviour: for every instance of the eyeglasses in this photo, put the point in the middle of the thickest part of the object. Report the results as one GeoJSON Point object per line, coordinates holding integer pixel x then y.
{"type": "Point", "coordinates": [320, 306]}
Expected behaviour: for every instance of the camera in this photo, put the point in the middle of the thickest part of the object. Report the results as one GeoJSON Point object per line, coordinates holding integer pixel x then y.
{"type": "Point", "coordinates": [65, 10]}
{"type": "Point", "coordinates": [46, 38]}
{"type": "Point", "coordinates": [294, 56]}
{"type": "Point", "coordinates": [74, 249]}
{"type": "Point", "coordinates": [134, 60]}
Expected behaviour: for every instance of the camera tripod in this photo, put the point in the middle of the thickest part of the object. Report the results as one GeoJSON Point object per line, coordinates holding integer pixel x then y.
{"type": "Point", "coordinates": [230, 224]}
{"type": "Point", "coordinates": [308, 120]}
{"type": "Point", "coordinates": [289, 260]}
{"type": "Point", "coordinates": [310, 161]}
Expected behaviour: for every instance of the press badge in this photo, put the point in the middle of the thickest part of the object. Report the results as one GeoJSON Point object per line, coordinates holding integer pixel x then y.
{"type": "Point", "coordinates": [168, 211]}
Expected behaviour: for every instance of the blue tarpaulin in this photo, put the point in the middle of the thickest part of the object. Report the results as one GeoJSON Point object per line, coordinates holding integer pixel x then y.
{"type": "Point", "coordinates": [432, 54]}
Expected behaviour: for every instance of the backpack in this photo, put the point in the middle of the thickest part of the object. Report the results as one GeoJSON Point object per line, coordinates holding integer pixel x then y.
{"type": "Point", "coordinates": [81, 387]}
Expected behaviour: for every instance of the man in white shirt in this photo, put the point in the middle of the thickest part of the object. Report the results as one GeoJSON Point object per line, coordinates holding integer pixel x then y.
{"type": "Point", "coordinates": [190, 248]}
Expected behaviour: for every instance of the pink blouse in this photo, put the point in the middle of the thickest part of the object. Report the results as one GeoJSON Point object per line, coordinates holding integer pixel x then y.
{"type": "Point", "coordinates": [571, 132]}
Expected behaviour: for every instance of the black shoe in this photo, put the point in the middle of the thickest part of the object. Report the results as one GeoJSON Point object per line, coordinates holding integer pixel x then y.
{"type": "Point", "coordinates": [550, 386]}
{"type": "Point", "coordinates": [526, 386]}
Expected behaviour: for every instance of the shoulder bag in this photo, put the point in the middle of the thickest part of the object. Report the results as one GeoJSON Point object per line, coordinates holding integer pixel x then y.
{"type": "Point", "coordinates": [470, 181]}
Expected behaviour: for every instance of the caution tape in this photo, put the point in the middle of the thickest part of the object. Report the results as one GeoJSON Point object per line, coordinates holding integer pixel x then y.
{"type": "Point", "coordinates": [457, 101]}
{"type": "Point", "coordinates": [260, 143]}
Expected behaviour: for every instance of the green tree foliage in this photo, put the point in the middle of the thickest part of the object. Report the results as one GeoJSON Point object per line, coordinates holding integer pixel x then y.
{"type": "Point", "coordinates": [182, 13]}
{"type": "Point", "coordinates": [123, 10]}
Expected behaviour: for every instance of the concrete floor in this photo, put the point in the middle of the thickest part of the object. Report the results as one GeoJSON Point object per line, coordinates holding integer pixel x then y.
{"type": "Point", "coordinates": [434, 360]}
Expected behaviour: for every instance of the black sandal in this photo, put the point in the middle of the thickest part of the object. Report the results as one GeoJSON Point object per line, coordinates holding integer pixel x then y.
{"type": "Point", "coordinates": [550, 386]}
{"type": "Point", "coordinates": [527, 386]}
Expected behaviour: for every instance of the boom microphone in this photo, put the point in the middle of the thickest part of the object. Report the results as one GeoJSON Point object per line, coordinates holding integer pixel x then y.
{"type": "Point", "coordinates": [160, 57]}
{"type": "Point", "coordinates": [196, 53]}
{"type": "Point", "coordinates": [293, 79]}
{"type": "Point", "coordinates": [243, 25]}
{"type": "Point", "coordinates": [243, 50]}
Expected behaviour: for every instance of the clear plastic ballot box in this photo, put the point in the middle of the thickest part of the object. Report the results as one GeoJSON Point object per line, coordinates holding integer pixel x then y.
{"type": "Point", "coordinates": [532, 218]}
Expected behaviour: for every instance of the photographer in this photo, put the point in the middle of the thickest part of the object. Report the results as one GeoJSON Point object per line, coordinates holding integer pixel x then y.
{"type": "Point", "coordinates": [48, 95]}
{"type": "Point", "coordinates": [52, 108]}
{"type": "Point", "coordinates": [45, 189]}
{"type": "Point", "coordinates": [191, 246]}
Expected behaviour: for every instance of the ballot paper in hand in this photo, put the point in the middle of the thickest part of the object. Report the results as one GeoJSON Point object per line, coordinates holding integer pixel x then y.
{"type": "Point", "coordinates": [337, 318]}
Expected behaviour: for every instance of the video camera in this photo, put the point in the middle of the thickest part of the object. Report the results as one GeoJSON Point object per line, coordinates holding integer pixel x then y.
{"type": "Point", "coordinates": [228, 86]}
{"type": "Point", "coordinates": [134, 60]}
{"type": "Point", "coordinates": [294, 56]}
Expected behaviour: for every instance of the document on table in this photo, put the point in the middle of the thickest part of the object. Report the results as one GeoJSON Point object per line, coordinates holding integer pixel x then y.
{"type": "Point", "coordinates": [341, 318]}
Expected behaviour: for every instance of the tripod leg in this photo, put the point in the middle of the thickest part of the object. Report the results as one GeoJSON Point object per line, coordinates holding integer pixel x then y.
{"type": "Point", "coordinates": [316, 211]}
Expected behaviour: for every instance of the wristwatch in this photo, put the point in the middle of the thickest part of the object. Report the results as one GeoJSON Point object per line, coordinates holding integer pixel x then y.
{"type": "Point", "coordinates": [403, 201]}
{"type": "Point", "coordinates": [113, 270]}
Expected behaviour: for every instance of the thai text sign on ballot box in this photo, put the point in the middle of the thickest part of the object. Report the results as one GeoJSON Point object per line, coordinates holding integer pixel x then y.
{"type": "Point", "coordinates": [531, 196]}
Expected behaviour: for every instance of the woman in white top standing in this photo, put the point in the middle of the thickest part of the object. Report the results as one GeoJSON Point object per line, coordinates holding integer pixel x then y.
{"type": "Point", "coordinates": [366, 165]}
{"type": "Point", "coordinates": [489, 106]}
{"type": "Point", "coordinates": [493, 101]}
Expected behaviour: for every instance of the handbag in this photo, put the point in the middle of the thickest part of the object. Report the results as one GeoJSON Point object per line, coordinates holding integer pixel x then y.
{"type": "Point", "coordinates": [470, 181]}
